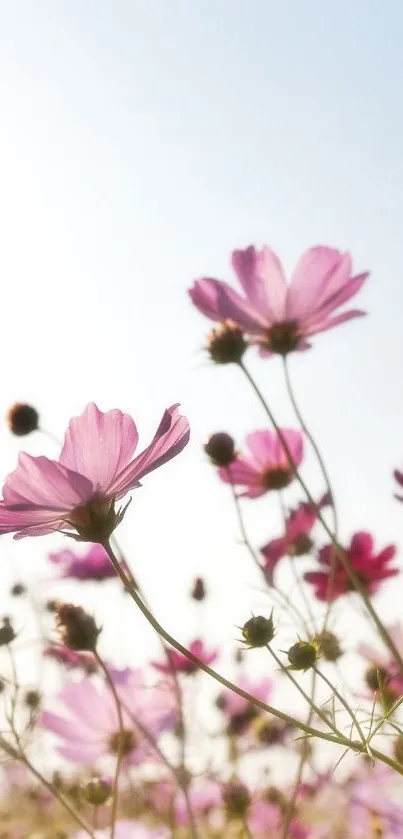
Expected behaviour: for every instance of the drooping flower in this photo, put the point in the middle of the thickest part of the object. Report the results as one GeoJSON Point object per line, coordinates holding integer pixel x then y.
{"type": "Point", "coordinates": [91, 730]}
{"type": "Point", "coordinates": [383, 673]}
{"type": "Point", "coordinates": [296, 540]}
{"type": "Point", "coordinates": [181, 664]}
{"type": "Point", "coordinates": [127, 829]}
{"type": "Point", "coordinates": [280, 318]}
{"type": "Point", "coordinates": [93, 565]}
{"type": "Point", "coordinates": [370, 568]}
{"type": "Point", "coordinates": [95, 469]}
{"type": "Point", "coordinates": [266, 466]}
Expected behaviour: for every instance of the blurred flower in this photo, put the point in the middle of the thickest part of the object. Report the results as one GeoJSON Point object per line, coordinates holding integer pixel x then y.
{"type": "Point", "coordinates": [77, 629]}
{"type": "Point", "coordinates": [181, 664]}
{"type": "Point", "coordinates": [22, 419]}
{"type": "Point", "coordinates": [383, 670]}
{"type": "Point", "coordinates": [370, 568]}
{"type": "Point", "coordinates": [95, 469]}
{"type": "Point", "coordinates": [226, 343]}
{"type": "Point", "coordinates": [266, 465]}
{"type": "Point", "coordinates": [198, 591]}
{"type": "Point", "coordinates": [126, 829]}
{"type": "Point", "coordinates": [204, 795]}
{"type": "Point", "coordinates": [93, 565]}
{"type": "Point", "coordinates": [70, 659]}
{"type": "Point", "coordinates": [258, 631]}
{"type": "Point", "coordinates": [239, 711]}
{"type": "Point", "coordinates": [296, 540]}
{"type": "Point", "coordinates": [91, 730]}
{"type": "Point", "coordinates": [280, 318]}
{"type": "Point", "coordinates": [220, 448]}
{"type": "Point", "coordinates": [266, 819]}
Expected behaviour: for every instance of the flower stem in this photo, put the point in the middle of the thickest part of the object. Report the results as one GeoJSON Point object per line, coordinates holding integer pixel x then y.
{"type": "Point", "coordinates": [115, 791]}
{"type": "Point", "coordinates": [383, 632]}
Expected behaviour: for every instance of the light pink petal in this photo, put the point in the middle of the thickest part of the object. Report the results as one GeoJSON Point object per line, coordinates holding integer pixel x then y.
{"type": "Point", "coordinates": [228, 305]}
{"type": "Point", "coordinates": [295, 445]}
{"type": "Point", "coordinates": [33, 522]}
{"type": "Point", "coordinates": [262, 278]}
{"type": "Point", "coordinates": [85, 702]}
{"type": "Point", "coordinates": [240, 472]}
{"type": "Point", "coordinates": [71, 730]}
{"type": "Point", "coordinates": [262, 445]}
{"type": "Point", "coordinates": [334, 301]}
{"type": "Point", "coordinates": [310, 278]}
{"type": "Point", "coordinates": [396, 633]}
{"type": "Point", "coordinates": [170, 438]}
{"type": "Point", "coordinates": [84, 754]}
{"type": "Point", "coordinates": [329, 323]}
{"type": "Point", "coordinates": [372, 654]}
{"type": "Point", "coordinates": [40, 482]}
{"type": "Point", "coordinates": [253, 492]}
{"type": "Point", "coordinates": [99, 445]}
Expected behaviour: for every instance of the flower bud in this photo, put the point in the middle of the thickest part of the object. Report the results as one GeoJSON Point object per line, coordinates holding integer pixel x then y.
{"type": "Point", "coordinates": [77, 629]}
{"type": "Point", "coordinates": [17, 590]}
{"type": "Point", "coordinates": [220, 448]}
{"type": "Point", "coordinates": [329, 645]}
{"type": "Point", "coordinates": [258, 631]}
{"type": "Point", "coordinates": [303, 655]}
{"type": "Point", "coordinates": [226, 343]}
{"type": "Point", "coordinates": [22, 419]}
{"type": "Point", "coordinates": [236, 798]}
{"type": "Point", "coordinates": [198, 590]}
{"type": "Point", "coordinates": [376, 677]}
{"type": "Point", "coordinates": [32, 699]}
{"type": "Point", "coordinates": [97, 791]}
{"type": "Point", "coordinates": [7, 633]}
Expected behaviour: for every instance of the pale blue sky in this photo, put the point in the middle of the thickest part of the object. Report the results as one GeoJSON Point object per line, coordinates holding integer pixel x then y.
{"type": "Point", "coordinates": [140, 143]}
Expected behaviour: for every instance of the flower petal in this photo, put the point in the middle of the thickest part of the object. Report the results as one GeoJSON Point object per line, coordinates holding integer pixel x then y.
{"type": "Point", "coordinates": [262, 278]}
{"type": "Point", "coordinates": [99, 445]}
{"type": "Point", "coordinates": [226, 304]}
{"type": "Point", "coordinates": [310, 278]}
{"type": "Point", "coordinates": [329, 323]}
{"type": "Point", "coordinates": [40, 482]}
{"type": "Point", "coordinates": [171, 437]}
{"type": "Point", "coordinates": [35, 522]}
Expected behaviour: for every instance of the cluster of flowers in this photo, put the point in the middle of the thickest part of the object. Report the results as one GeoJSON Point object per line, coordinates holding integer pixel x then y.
{"type": "Point", "coordinates": [133, 763]}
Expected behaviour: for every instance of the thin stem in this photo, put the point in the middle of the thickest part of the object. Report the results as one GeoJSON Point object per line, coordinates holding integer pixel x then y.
{"type": "Point", "coordinates": [301, 764]}
{"type": "Point", "coordinates": [115, 791]}
{"type": "Point", "coordinates": [339, 552]}
{"type": "Point", "coordinates": [344, 704]}
{"type": "Point", "coordinates": [298, 583]}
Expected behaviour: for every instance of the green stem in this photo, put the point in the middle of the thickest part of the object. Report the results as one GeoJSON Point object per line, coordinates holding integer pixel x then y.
{"type": "Point", "coordinates": [115, 791]}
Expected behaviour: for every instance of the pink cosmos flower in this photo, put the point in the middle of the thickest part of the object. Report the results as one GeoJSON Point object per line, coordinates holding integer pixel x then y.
{"type": "Point", "coordinates": [127, 829]}
{"type": "Point", "coordinates": [95, 469]}
{"type": "Point", "coordinates": [280, 318]}
{"type": "Point", "coordinates": [239, 711]}
{"type": "Point", "coordinates": [371, 568]}
{"type": "Point", "coordinates": [94, 565]}
{"type": "Point", "coordinates": [265, 819]}
{"type": "Point", "coordinates": [296, 540]}
{"type": "Point", "coordinates": [70, 659]}
{"type": "Point", "coordinates": [266, 465]}
{"type": "Point", "coordinates": [182, 664]}
{"type": "Point", "coordinates": [91, 729]}
{"type": "Point", "coordinates": [204, 795]}
{"type": "Point", "coordinates": [382, 667]}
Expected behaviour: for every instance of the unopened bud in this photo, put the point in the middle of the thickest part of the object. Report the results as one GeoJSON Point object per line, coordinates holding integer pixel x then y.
{"type": "Point", "coordinates": [199, 590]}
{"type": "Point", "coordinates": [77, 629]}
{"type": "Point", "coordinates": [236, 798]}
{"type": "Point", "coordinates": [220, 448]}
{"type": "Point", "coordinates": [97, 791]}
{"type": "Point", "coordinates": [32, 699]}
{"type": "Point", "coordinates": [329, 645]}
{"type": "Point", "coordinates": [258, 631]}
{"type": "Point", "coordinates": [226, 343]}
{"type": "Point", "coordinates": [7, 633]}
{"type": "Point", "coordinates": [303, 655]}
{"type": "Point", "coordinates": [22, 419]}
{"type": "Point", "coordinates": [17, 590]}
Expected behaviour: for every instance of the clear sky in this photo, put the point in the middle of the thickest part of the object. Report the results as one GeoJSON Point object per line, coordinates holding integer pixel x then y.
{"type": "Point", "coordinates": [140, 143]}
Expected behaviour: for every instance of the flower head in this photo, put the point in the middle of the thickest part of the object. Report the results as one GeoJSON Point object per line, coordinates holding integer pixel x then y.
{"type": "Point", "coordinates": [91, 730]}
{"type": "Point", "coordinates": [181, 664]}
{"type": "Point", "coordinates": [95, 469]}
{"type": "Point", "coordinates": [383, 674]}
{"type": "Point", "coordinates": [279, 318]}
{"type": "Point", "coordinates": [93, 565]}
{"type": "Point", "coordinates": [266, 466]}
{"type": "Point", "coordinates": [22, 419]}
{"type": "Point", "coordinates": [296, 540]}
{"type": "Point", "coordinates": [370, 568]}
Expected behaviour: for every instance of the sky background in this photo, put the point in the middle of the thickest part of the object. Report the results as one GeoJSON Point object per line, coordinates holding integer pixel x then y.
{"type": "Point", "coordinates": [140, 143]}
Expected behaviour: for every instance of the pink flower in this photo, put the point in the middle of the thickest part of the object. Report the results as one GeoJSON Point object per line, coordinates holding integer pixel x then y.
{"type": "Point", "coordinates": [280, 318]}
{"type": "Point", "coordinates": [383, 668]}
{"type": "Point", "coordinates": [94, 565]}
{"type": "Point", "coordinates": [204, 795]}
{"type": "Point", "coordinates": [239, 711]}
{"type": "Point", "coordinates": [127, 829]}
{"type": "Point", "coordinates": [296, 540]}
{"type": "Point", "coordinates": [91, 729]}
{"type": "Point", "coordinates": [70, 658]}
{"type": "Point", "coordinates": [369, 567]}
{"type": "Point", "coordinates": [266, 466]}
{"type": "Point", "coordinates": [95, 469]}
{"type": "Point", "coordinates": [182, 664]}
{"type": "Point", "coordinates": [265, 819]}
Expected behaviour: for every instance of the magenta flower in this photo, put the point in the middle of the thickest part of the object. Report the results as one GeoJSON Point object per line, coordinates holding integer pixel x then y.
{"type": "Point", "coordinates": [94, 565]}
{"type": "Point", "coordinates": [91, 729]}
{"type": "Point", "coordinates": [296, 540]}
{"type": "Point", "coordinates": [127, 829]}
{"type": "Point", "coordinates": [280, 318]}
{"type": "Point", "coordinates": [382, 667]}
{"type": "Point", "coordinates": [181, 664]}
{"type": "Point", "coordinates": [71, 659]}
{"type": "Point", "coordinates": [95, 469]}
{"type": "Point", "coordinates": [370, 568]}
{"type": "Point", "coordinates": [266, 466]}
